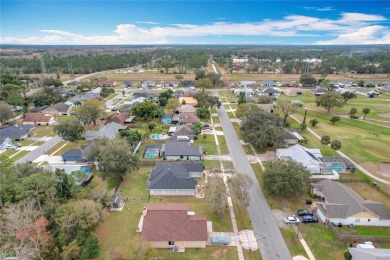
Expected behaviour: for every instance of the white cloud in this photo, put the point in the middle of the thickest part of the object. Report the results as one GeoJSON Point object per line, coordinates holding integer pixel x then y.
{"type": "Point", "coordinates": [321, 9]}
{"type": "Point", "coordinates": [289, 26]}
{"type": "Point", "coordinates": [375, 34]}
{"type": "Point", "coordinates": [146, 22]}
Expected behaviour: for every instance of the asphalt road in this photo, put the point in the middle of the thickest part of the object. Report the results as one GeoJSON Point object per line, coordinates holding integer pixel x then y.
{"type": "Point", "coordinates": [270, 240]}
{"type": "Point", "coordinates": [31, 156]}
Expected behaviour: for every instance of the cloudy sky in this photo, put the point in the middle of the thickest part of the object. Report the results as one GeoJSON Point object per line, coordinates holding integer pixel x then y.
{"type": "Point", "coordinates": [195, 22]}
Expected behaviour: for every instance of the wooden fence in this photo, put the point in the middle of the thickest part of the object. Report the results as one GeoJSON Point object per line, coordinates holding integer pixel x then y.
{"type": "Point", "coordinates": [356, 238]}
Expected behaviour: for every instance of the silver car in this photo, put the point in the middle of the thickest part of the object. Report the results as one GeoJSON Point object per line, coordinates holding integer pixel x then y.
{"type": "Point", "coordinates": [291, 220]}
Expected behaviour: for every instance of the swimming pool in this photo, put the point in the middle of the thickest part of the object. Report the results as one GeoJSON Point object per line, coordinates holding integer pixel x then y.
{"type": "Point", "coordinates": [166, 120]}
{"type": "Point", "coordinates": [335, 166]}
{"type": "Point", "coordinates": [158, 137]}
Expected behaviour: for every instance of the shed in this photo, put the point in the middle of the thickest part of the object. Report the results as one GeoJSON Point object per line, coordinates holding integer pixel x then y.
{"type": "Point", "coordinates": [117, 203]}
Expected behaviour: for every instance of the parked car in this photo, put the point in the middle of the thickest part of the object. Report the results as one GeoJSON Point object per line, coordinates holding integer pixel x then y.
{"type": "Point", "coordinates": [18, 145]}
{"type": "Point", "coordinates": [309, 219]}
{"type": "Point", "coordinates": [291, 220]}
{"type": "Point", "coordinates": [10, 147]}
{"type": "Point", "coordinates": [304, 212]}
{"type": "Point", "coordinates": [114, 109]}
{"type": "Point", "coordinates": [220, 240]}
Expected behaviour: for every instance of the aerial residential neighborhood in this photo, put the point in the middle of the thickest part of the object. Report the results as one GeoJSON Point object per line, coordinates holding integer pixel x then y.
{"type": "Point", "coordinates": [183, 137]}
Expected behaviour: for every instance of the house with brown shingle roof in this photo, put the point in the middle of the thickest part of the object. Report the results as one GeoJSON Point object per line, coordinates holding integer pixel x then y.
{"type": "Point", "coordinates": [121, 118]}
{"type": "Point", "coordinates": [172, 226]}
{"type": "Point", "coordinates": [38, 119]}
{"type": "Point", "coordinates": [188, 119]}
{"type": "Point", "coordinates": [58, 109]}
{"type": "Point", "coordinates": [186, 109]}
{"type": "Point", "coordinates": [292, 91]}
{"type": "Point", "coordinates": [343, 205]}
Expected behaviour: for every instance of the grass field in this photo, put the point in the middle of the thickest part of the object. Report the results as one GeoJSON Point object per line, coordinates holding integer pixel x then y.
{"type": "Point", "coordinates": [365, 231]}
{"type": "Point", "coordinates": [42, 130]}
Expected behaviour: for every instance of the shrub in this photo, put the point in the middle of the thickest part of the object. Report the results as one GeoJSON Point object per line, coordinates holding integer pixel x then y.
{"type": "Point", "coordinates": [309, 202]}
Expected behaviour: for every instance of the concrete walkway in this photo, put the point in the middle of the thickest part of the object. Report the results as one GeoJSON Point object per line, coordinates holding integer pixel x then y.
{"type": "Point", "coordinates": [247, 239]}
{"type": "Point", "coordinates": [231, 210]}
{"type": "Point", "coordinates": [343, 155]}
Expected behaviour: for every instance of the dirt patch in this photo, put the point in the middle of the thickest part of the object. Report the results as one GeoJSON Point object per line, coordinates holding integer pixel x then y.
{"type": "Point", "coordinates": [384, 168]}
{"type": "Point", "coordinates": [279, 215]}
{"type": "Point", "coordinates": [385, 115]}
{"type": "Point", "coordinates": [218, 253]}
{"type": "Point", "coordinates": [382, 108]}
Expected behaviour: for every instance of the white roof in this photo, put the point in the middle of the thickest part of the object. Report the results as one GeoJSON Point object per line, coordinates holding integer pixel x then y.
{"type": "Point", "coordinates": [96, 90]}
{"type": "Point", "coordinates": [300, 154]}
{"type": "Point", "coordinates": [69, 168]}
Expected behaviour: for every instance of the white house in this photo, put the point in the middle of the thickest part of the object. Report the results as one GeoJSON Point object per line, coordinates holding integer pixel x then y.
{"type": "Point", "coordinates": [247, 83]}
{"type": "Point", "coordinates": [5, 141]}
{"type": "Point", "coordinates": [148, 84]}
{"type": "Point", "coordinates": [247, 91]}
{"type": "Point", "coordinates": [343, 205]}
{"type": "Point", "coordinates": [307, 157]}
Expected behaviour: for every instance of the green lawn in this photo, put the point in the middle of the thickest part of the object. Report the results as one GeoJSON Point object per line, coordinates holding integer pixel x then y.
{"type": "Point", "coordinates": [27, 142]}
{"type": "Point", "coordinates": [211, 164]}
{"type": "Point", "coordinates": [216, 120]}
{"type": "Point", "coordinates": [228, 253]}
{"type": "Point", "coordinates": [358, 143]}
{"type": "Point", "coordinates": [294, 245]}
{"type": "Point", "coordinates": [365, 231]}
{"type": "Point", "coordinates": [322, 242]}
{"type": "Point", "coordinates": [42, 130]}
{"type": "Point", "coordinates": [55, 148]}
{"type": "Point", "coordinates": [230, 114]}
{"type": "Point", "coordinates": [19, 155]}
{"type": "Point", "coordinates": [10, 152]}
{"type": "Point", "coordinates": [70, 145]}
{"type": "Point", "coordinates": [222, 144]}
{"type": "Point", "coordinates": [208, 144]}
{"type": "Point", "coordinates": [65, 118]}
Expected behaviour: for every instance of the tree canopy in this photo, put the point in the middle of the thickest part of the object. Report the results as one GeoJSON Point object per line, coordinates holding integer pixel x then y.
{"type": "Point", "coordinates": [145, 110]}
{"type": "Point", "coordinates": [5, 113]}
{"type": "Point", "coordinates": [329, 100]}
{"type": "Point", "coordinates": [285, 178]}
{"type": "Point", "coordinates": [90, 111]}
{"type": "Point", "coordinates": [205, 100]}
{"type": "Point", "coordinates": [70, 130]}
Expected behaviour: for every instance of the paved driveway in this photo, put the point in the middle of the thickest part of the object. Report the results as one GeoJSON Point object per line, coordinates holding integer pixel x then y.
{"type": "Point", "coordinates": [31, 156]}
{"type": "Point", "coordinates": [269, 238]}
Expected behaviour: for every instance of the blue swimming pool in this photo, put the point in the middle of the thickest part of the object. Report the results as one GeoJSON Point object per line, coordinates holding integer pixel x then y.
{"type": "Point", "coordinates": [166, 120]}
{"type": "Point", "coordinates": [335, 166]}
{"type": "Point", "coordinates": [158, 137]}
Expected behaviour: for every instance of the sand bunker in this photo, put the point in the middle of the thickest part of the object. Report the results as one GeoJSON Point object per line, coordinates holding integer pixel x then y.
{"type": "Point", "coordinates": [385, 168]}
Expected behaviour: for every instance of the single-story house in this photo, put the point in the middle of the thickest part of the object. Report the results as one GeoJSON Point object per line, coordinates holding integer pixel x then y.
{"type": "Point", "coordinates": [344, 83]}
{"type": "Point", "coordinates": [181, 151]}
{"type": "Point", "coordinates": [16, 132]}
{"type": "Point", "coordinates": [173, 226]}
{"type": "Point", "coordinates": [58, 109]}
{"type": "Point", "coordinates": [384, 84]}
{"type": "Point", "coordinates": [367, 91]}
{"type": "Point", "coordinates": [135, 101]}
{"type": "Point", "coordinates": [188, 101]}
{"type": "Point", "coordinates": [307, 157]}
{"type": "Point", "coordinates": [291, 138]}
{"type": "Point", "coordinates": [297, 102]}
{"type": "Point", "coordinates": [168, 83]}
{"type": "Point", "coordinates": [121, 118]}
{"type": "Point", "coordinates": [182, 130]}
{"type": "Point", "coordinates": [69, 168]}
{"type": "Point", "coordinates": [293, 91]}
{"type": "Point", "coordinates": [83, 97]}
{"type": "Point", "coordinates": [174, 179]}
{"type": "Point", "coordinates": [110, 131]}
{"type": "Point", "coordinates": [269, 92]}
{"type": "Point", "coordinates": [175, 119]}
{"type": "Point", "coordinates": [370, 83]}
{"type": "Point", "coordinates": [247, 91]}
{"type": "Point", "coordinates": [148, 84]}
{"type": "Point", "coordinates": [266, 107]}
{"type": "Point", "coordinates": [367, 251]}
{"type": "Point", "coordinates": [320, 91]}
{"type": "Point", "coordinates": [38, 109]}
{"type": "Point", "coordinates": [73, 155]}
{"type": "Point", "coordinates": [268, 83]}
{"type": "Point", "coordinates": [385, 90]}
{"type": "Point", "coordinates": [229, 83]}
{"type": "Point", "coordinates": [290, 84]}
{"type": "Point", "coordinates": [135, 70]}
{"type": "Point", "coordinates": [106, 83]}
{"type": "Point", "coordinates": [127, 84]}
{"type": "Point", "coordinates": [250, 99]}
{"type": "Point", "coordinates": [184, 109]}
{"type": "Point", "coordinates": [343, 205]}
{"type": "Point", "coordinates": [188, 119]}
{"type": "Point", "coordinates": [38, 119]}
{"type": "Point", "coordinates": [4, 141]}
{"type": "Point", "coordinates": [247, 83]}
{"type": "Point", "coordinates": [187, 83]}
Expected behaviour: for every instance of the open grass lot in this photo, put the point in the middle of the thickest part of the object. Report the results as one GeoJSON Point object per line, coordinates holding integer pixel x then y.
{"type": "Point", "coordinates": [365, 231]}
{"type": "Point", "coordinates": [55, 148]}
{"type": "Point", "coordinates": [216, 120]}
{"type": "Point", "coordinates": [222, 144]}
{"type": "Point", "coordinates": [226, 94]}
{"type": "Point", "coordinates": [208, 144]}
{"type": "Point", "coordinates": [19, 155]}
{"type": "Point", "coordinates": [27, 142]}
{"type": "Point", "coordinates": [147, 75]}
{"type": "Point", "coordinates": [358, 143]}
{"type": "Point", "coordinates": [322, 242]}
{"type": "Point", "coordinates": [42, 130]}
{"type": "Point", "coordinates": [9, 153]}
{"type": "Point", "coordinates": [230, 114]}
{"type": "Point", "coordinates": [211, 164]}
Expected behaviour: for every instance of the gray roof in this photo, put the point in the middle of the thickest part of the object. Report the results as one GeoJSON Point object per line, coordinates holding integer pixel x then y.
{"type": "Point", "coordinates": [270, 91]}
{"type": "Point", "coordinates": [342, 201]}
{"type": "Point", "coordinates": [181, 148]}
{"type": "Point", "coordinates": [15, 131]}
{"type": "Point", "coordinates": [184, 130]}
{"type": "Point", "coordinates": [61, 107]}
{"type": "Point", "coordinates": [73, 152]}
{"type": "Point", "coordinates": [369, 253]}
{"type": "Point", "coordinates": [174, 175]}
{"type": "Point", "coordinates": [110, 131]}
{"type": "Point", "coordinates": [39, 109]}
{"type": "Point", "coordinates": [289, 136]}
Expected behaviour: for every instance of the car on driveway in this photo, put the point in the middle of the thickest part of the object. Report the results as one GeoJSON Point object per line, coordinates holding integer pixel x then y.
{"type": "Point", "coordinates": [291, 220]}
{"type": "Point", "coordinates": [10, 147]}
{"type": "Point", "coordinates": [304, 212]}
{"type": "Point", "coordinates": [220, 240]}
{"type": "Point", "coordinates": [309, 219]}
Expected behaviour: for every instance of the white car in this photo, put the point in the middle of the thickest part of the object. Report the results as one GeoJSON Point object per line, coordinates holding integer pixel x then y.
{"type": "Point", "coordinates": [291, 220]}
{"type": "Point", "coordinates": [10, 147]}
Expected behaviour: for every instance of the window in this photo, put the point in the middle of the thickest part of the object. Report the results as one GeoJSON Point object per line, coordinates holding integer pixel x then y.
{"type": "Point", "coordinates": [357, 220]}
{"type": "Point", "coordinates": [171, 243]}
